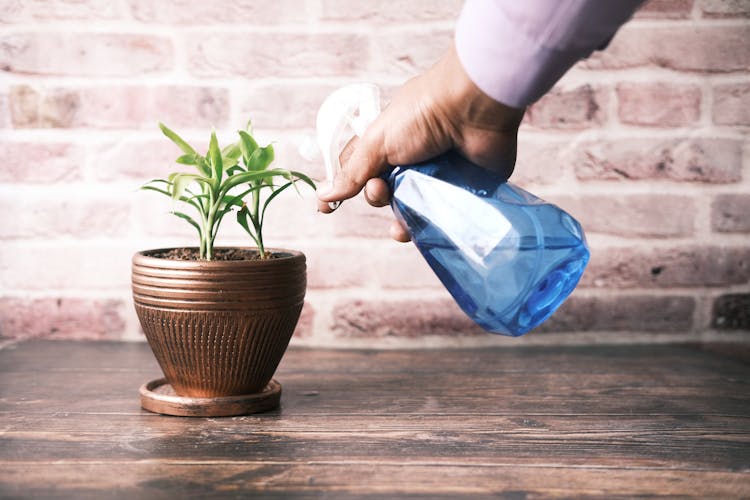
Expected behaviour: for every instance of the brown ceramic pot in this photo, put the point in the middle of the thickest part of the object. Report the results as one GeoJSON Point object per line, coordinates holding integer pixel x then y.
{"type": "Point", "coordinates": [219, 328]}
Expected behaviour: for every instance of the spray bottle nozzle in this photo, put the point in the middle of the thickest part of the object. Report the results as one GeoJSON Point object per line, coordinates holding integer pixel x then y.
{"type": "Point", "coordinates": [345, 113]}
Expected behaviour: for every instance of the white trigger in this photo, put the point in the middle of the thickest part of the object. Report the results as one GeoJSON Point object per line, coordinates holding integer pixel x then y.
{"type": "Point", "coordinates": [348, 111]}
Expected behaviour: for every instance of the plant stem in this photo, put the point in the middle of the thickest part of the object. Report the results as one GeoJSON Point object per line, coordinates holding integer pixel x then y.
{"type": "Point", "coordinates": [256, 221]}
{"type": "Point", "coordinates": [208, 235]}
{"type": "Point", "coordinates": [261, 248]}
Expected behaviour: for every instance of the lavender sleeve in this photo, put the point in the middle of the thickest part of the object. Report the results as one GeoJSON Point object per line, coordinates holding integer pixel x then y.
{"type": "Point", "coordinates": [515, 51]}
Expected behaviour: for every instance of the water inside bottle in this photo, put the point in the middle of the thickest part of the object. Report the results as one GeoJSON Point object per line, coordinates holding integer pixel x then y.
{"type": "Point", "coordinates": [508, 258]}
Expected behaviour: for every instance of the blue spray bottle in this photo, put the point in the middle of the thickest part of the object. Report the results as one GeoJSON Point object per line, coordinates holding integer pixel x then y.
{"type": "Point", "coordinates": [508, 258]}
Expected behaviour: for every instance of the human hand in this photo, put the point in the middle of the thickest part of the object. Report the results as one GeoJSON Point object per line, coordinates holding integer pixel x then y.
{"type": "Point", "coordinates": [432, 113]}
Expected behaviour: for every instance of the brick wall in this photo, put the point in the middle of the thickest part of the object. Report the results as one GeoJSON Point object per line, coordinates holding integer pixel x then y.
{"type": "Point", "coordinates": [646, 143]}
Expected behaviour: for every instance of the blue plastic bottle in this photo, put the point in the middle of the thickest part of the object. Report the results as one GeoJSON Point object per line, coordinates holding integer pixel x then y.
{"type": "Point", "coordinates": [507, 257]}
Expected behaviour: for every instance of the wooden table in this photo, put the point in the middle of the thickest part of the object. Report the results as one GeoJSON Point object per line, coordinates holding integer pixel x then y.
{"type": "Point", "coordinates": [516, 422]}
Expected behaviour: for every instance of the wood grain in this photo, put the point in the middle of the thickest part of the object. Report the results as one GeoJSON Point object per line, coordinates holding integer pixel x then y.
{"type": "Point", "coordinates": [608, 422]}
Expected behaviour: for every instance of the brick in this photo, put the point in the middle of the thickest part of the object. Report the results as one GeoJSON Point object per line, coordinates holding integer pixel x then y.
{"type": "Point", "coordinates": [390, 11]}
{"type": "Point", "coordinates": [41, 214]}
{"type": "Point", "coordinates": [658, 104]}
{"type": "Point", "coordinates": [282, 105]}
{"type": "Point", "coordinates": [356, 218]}
{"type": "Point", "coordinates": [401, 266]}
{"type": "Point", "coordinates": [138, 161]}
{"type": "Point", "coordinates": [641, 313]}
{"type": "Point", "coordinates": [11, 11]}
{"type": "Point", "coordinates": [406, 53]}
{"type": "Point", "coordinates": [647, 215]}
{"type": "Point", "coordinates": [152, 217]}
{"type": "Point", "coordinates": [289, 217]}
{"type": "Point", "coordinates": [4, 109]}
{"type": "Point", "coordinates": [665, 9]}
{"type": "Point", "coordinates": [84, 54]}
{"type": "Point", "coordinates": [730, 213]}
{"type": "Point", "coordinates": [731, 312]}
{"type": "Point", "coordinates": [61, 318]}
{"type": "Point", "coordinates": [336, 267]}
{"type": "Point", "coordinates": [244, 12]}
{"type": "Point", "coordinates": [731, 105]}
{"type": "Point", "coordinates": [689, 159]}
{"type": "Point", "coordinates": [276, 54]}
{"type": "Point", "coordinates": [304, 328]}
{"type": "Point", "coordinates": [287, 155]}
{"type": "Point", "coordinates": [688, 266]}
{"type": "Point", "coordinates": [144, 159]}
{"type": "Point", "coordinates": [293, 216]}
{"type": "Point", "coordinates": [15, 11]}
{"type": "Point", "coordinates": [725, 8]}
{"type": "Point", "coordinates": [64, 266]}
{"type": "Point", "coordinates": [23, 105]}
{"type": "Point", "coordinates": [701, 48]}
{"type": "Point", "coordinates": [575, 109]}
{"type": "Point", "coordinates": [118, 106]}
{"type": "Point", "coordinates": [401, 318]}
{"type": "Point", "coordinates": [538, 162]}
{"type": "Point", "coordinates": [46, 162]}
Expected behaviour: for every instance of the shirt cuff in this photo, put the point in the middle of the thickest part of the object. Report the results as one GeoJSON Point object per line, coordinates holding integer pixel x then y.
{"type": "Point", "coordinates": [516, 51]}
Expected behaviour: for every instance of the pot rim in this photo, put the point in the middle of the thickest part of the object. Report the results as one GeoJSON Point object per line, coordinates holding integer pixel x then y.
{"type": "Point", "coordinates": [140, 259]}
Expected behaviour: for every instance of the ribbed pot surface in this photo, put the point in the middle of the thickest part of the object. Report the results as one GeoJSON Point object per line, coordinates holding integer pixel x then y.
{"type": "Point", "coordinates": [219, 328]}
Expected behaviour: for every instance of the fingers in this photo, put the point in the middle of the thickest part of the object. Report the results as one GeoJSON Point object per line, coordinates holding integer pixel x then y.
{"type": "Point", "coordinates": [399, 233]}
{"type": "Point", "coordinates": [377, 192]}
{"type": "Point", "coordinates": [324, 207]}
{"type": "Point", "coordinates": [361, 160]}
{"type": "Point", "coordinates": [493, 151]}
{"type": "Point", "coordinates": [376, 189]}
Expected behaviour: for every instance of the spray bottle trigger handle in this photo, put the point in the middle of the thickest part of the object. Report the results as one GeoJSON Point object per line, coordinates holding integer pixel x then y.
{"type": "Point", "coordinates": [355, 106]}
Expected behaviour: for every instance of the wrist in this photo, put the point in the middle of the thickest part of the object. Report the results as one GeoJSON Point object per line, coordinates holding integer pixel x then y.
{"type": "Point", "coordinates": [469, 103]}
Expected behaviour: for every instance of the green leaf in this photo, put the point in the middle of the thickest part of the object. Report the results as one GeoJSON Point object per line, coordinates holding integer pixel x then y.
{"type": "Point", "coordinates": [182, 181]}
{"type": "Point", "coordinates": [271, 197]}
{"type": "Point", "coordinates": [228, 162]}
{"type": "Point", "coordinates": [237, 199]}
{"type": "Point", "coordinates": [247, 145]}
{"type": "Point", "coordinates": [157, 181]}
{"type": "Point", "coordinates": [184, 146]}
{"type": "Point", "coordinates": [234, 169]}
{"type": "Point", "coordinates": [203, 166]}
{"type": "Point", "coordinates": [190, 220]}
{"type": "Point", "coordinates": [214, 155]}
{"type": "Point", "coordinates": [191, 201]}
{"type": "Point", "coordinates": [152, 188]}
{"type": "Point", "coordinates": [232, 151]}
{"type": "Point", "coordinates": [234, 201]}
{"type": "Point", "coordinates": [186, 160]}
{"type": "Point", "coordinates": [230, 156]}
{"type": "Point", "coordinates": [238, 179]}
{"type": "Point", "coordinates": [242, 216]}
{"type": "Point", "coordinates": [303, 178]}
{"type": "Point", "coordinates": [261, 158]}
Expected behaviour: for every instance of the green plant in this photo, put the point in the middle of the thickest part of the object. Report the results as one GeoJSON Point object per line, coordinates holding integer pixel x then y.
{"type": "Point", "coordinates": [225, 179]}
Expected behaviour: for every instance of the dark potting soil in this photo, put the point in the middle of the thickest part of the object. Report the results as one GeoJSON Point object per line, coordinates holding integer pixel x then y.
{"type": "Point", "coordinates": [220, 254]}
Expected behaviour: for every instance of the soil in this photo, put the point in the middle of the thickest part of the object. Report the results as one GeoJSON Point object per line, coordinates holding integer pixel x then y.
{"type": "Point", "coordinates": [220, 254]}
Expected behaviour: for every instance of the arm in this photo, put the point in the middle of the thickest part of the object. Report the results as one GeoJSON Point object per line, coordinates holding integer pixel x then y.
{"type": "Point", "coordinates": [515, 51]}
{"type": "Point", "coordinates": [507, 54]}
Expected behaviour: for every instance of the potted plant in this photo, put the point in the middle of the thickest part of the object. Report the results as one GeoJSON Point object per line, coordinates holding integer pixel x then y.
{"type": "Point", "coordinates": [219, 319]}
